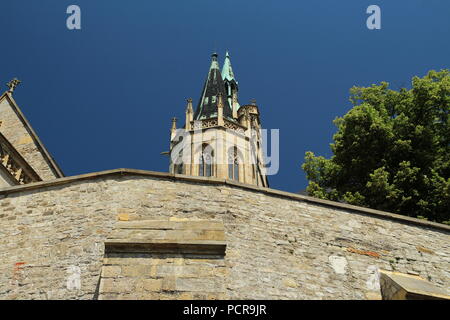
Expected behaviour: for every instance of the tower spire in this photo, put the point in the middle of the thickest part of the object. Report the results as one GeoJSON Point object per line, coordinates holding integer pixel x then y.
{"type": "Point", "coordinates": [230, 133]}
{"type": "Point", "coordinates": [227, 70]}
{"type": "Point", "coordinates": [214, 84]}
{"type": "Point", "coordinates": [231, 85]}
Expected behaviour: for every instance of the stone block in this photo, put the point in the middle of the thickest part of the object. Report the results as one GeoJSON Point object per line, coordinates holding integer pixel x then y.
{"type": "Point", "coordinates": [198, 285]}
{"type": "Point", "coordinates": [169, 283]}
{"type": "Point", "coordinates": [186, 296]}
{"type": "Point", "coordinates": [111, 271]}
{"type": "Point", "coordinates": [289, 283]}
{"type": "Point", "coordinates": [123, 217]}
{"type": "Point", "coordinates": [152, 284]}
{"type": "Point", "coordinates": [372, 295]}
{"type": "Point", "coordinates": [106, 285]}
{"type": "Point", "coordinates": [135, 270]}
{"type": "Point", "coordinates": [111, 285]}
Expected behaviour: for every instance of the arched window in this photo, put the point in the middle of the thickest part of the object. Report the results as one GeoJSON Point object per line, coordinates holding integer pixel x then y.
{"type": "Point", "coordinates": [233, 164]}
{"type": "Point", "coordinates": [178, 166]}
{"type": "Point", "coordinates": [205, 166]}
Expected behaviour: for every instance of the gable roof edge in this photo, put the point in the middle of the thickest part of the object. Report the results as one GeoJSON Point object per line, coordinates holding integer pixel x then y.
{"type": "Point", "coordinates": [49, 159]}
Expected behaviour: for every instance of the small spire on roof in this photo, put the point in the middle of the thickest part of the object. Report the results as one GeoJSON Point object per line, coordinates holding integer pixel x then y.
{"type": "Point", "coordinates": [189, 105]}
{"type": "Point", "coordinates": [174, 123]}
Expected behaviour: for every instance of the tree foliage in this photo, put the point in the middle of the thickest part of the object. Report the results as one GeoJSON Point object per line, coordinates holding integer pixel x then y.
{"type": "Point", "coordinates": [391, 150]}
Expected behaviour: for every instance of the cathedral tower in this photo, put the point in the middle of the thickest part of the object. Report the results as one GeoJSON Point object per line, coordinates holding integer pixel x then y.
{"type": "Point", "coordinates": [220, 138]}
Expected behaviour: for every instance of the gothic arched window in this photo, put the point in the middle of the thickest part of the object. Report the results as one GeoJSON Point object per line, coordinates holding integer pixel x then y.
{"type": "Point", "coordinates": [233, 164]}
{"type": "Point", "coordinates": [205, 166]}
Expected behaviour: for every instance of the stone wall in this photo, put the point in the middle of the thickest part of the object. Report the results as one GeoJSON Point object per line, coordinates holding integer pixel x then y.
{"type": "Point", "coordinates": [168, 259]}
{"type": "Point", "coordinates": [162, 276]}
{"type": "Point", "coordinates": [278, 245]}
{"type": "Point", "coordinates": [20, 135]}
{"type": "Point", "coordinates": [5, 178]}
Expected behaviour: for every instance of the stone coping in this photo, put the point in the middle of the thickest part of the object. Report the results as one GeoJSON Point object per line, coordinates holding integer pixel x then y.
{"type": "Point", "coordinates": [211, 180]}
{"type": "Point", "coordinates": [409, 286]}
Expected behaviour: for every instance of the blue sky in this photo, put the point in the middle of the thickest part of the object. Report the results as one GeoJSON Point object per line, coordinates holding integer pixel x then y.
{"type": "Point", "coordinates": [102, 97]}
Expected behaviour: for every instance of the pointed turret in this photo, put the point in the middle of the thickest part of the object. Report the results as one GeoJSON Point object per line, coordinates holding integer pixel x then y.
{"type": "Point", "coordinates": [173, 129]}
{"type": "Point", "coordinates": [207, 107]}
{"type": "Point", "coordinates": [189, 114]}
{"type": "Point", "coordinates": [231, 85]}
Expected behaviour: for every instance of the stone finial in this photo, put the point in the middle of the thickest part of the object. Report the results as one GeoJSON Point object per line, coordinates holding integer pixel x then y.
{"type": "Point", "coordinates": [173, 129]}
{"type": "Point", "coordinates": [253, 102]}
{"type": "Point", "coordinates": [189, 105]}
{"type": "Point", "coordinates": [174, 123]}
{"type": "Point", "coordinates": [189, 114]}
{"type": "Point", "coordinates": [13, 84]}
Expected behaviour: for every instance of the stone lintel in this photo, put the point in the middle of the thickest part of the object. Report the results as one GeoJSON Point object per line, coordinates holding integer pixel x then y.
{"type": "Point", "coordinates": [165, 236]}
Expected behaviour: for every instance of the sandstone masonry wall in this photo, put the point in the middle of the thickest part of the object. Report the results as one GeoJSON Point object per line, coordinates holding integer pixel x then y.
{"type": "Point", "coordinates": [21, 138]}
{"type": "Point", "coordinates": [52, 240]}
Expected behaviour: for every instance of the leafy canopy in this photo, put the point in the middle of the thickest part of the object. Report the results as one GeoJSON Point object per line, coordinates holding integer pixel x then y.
{"type": "Point", "coordinates": [391, 151]}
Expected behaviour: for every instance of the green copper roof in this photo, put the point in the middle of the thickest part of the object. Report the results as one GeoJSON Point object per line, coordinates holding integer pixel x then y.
{"type": "Point", "coordinates": [213, 87]}
{"type": "Point", "coordinates": [227, 70]}
{"type": "Point", "coordinates": [230, 82]}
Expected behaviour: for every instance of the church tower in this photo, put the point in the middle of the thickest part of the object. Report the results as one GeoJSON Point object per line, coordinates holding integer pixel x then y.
{"type": "Point", "coordinates": [221, 138]}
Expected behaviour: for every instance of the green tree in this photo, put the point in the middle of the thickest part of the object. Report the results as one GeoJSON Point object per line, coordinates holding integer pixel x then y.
{"type": "Point", "coordinates": [391, 150]}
